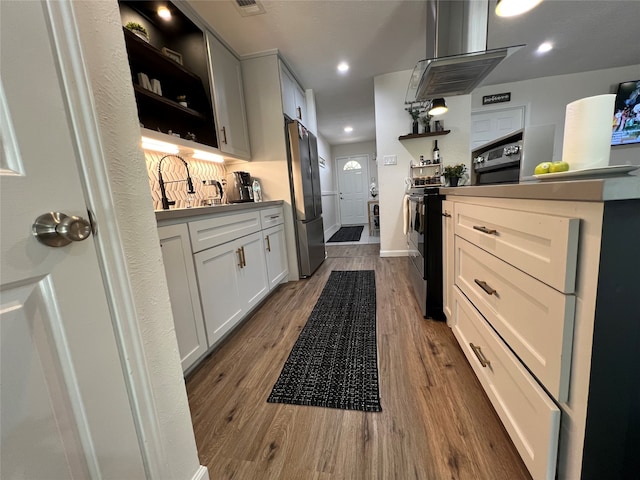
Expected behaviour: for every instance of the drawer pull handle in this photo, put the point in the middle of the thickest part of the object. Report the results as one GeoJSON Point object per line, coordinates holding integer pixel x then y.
{"type": "Point", "coordinates": [239, 252]}
{"type": "Point", "coordinates": [483, 285]}
{"type": "Point", "coordinates": [273, 217]}
{"type": "Point", "coordinates": [445, 214]}
{"type": "Point", "coordinates": [244, 259]}
{"type": "Point", "coordinates": [488, 231]}
{"type": "Point", "coordinates": [268, 244]}
{"type": "Point", "coordinates": [481, 358]}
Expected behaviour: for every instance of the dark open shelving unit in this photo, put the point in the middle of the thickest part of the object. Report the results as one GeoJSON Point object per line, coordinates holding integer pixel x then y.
{"type": "Point", "coordinates": [422, 135]}
{"type": "Point", "coordinates": [163, 113]}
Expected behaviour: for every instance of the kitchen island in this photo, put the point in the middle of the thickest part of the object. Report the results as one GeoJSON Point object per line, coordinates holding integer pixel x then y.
{"type": "Point", "coordinates": [221, 262]}
{"type": "Point", "coordinates": [542, 289]}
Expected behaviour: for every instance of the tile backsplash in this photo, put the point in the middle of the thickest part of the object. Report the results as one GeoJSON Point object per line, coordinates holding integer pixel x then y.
{"type": "Point", "coordinates": [173, 169]}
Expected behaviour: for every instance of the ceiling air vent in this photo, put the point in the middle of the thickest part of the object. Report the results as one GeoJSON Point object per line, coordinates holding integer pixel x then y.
{"type": "Point", "coordinates": [249, 7]}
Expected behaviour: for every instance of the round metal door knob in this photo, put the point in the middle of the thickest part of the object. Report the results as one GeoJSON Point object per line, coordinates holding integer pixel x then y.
{"type": "Point", "coordinates": [56, 229]}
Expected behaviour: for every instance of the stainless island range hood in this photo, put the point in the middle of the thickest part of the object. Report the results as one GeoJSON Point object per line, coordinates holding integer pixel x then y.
{"type": "Point", "coordinates": [457, 49]}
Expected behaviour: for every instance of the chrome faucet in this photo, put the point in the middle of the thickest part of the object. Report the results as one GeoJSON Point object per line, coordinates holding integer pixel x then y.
{"type": "Point", "coordinates": [165, 201]}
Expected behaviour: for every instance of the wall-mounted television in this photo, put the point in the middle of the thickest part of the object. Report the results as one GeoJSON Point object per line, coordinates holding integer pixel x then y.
{"type": "Point", "coordinates": [626, 115]}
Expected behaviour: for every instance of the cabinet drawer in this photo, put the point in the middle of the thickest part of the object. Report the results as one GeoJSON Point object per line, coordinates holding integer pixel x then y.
{"type": "Point", "coordinates": [528, 414]}
{"type": "Point", "coordinates": [544, 246]}
{"type": "Point", "coordinates": [218, 230]}
{"type": "Point", "coordinates": [270, 217]}
{"type": "Point", "coordinates": [535, 320]}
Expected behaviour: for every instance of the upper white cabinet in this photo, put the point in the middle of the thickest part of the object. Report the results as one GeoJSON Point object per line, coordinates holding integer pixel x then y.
{"type": "Point", "coordinates": [294, 100]}
{"type": "Point", "coordinates": [228, 94]}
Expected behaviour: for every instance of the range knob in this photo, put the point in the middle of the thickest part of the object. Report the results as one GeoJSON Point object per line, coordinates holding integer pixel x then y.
{"type": "Point", "coordinates": [478, 159]}
{"type": "Point", "coordinates": [511, 150]}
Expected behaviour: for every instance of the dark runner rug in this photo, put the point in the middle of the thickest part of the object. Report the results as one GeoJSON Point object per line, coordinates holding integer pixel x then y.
{"type": "Point", "coordinates": [347, 234]}
{"type": "Point", "coordinates": [334, 362]}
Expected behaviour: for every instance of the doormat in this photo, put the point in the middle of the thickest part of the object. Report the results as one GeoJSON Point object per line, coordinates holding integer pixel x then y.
{"type": "Point", "coordinates": [347, 234]}
{"type": "Point", "coordinates": [334, 362]}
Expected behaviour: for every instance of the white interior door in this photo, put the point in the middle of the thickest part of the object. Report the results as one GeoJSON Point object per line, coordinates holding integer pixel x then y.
{"type": "Point", "coordinates": [493, 124]}
{"type": "Point", "coordinates": [352, 182]}
{"type": "Point", "coordinates": [64, 406]}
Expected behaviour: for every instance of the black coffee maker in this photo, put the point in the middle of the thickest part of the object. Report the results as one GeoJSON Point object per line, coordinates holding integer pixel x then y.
{"type": "Point", "coordinates": [239, 188]}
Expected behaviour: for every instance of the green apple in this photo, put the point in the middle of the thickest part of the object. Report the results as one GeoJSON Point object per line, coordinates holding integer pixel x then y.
{"type": "Point", "coordinates": [541, 168]}
{"type": "Point", "coordinates": [559, 167]}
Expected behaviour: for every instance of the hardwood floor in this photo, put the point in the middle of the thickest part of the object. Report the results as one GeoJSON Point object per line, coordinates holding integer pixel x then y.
{"type": "Point", "coordinates": [436, 421]}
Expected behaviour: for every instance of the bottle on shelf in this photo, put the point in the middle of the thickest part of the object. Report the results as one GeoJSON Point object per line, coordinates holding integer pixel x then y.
{"type": "Point", "coordinates": [436, 152]}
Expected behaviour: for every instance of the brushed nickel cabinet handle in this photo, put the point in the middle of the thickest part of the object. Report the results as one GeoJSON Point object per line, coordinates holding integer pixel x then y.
{"type": "Point", "coordinates": [483, 285]}
{"type": "Point", "coordinates": [224, 135]}
{"type": "Point", "coordinates": [244, 259]}
{"type": "Point", "coordinates": [268, 243]}
{"type": "Point", "coordinates": [481, 358]}
{"type": "Point", "coordinates": [239, 252]}
{"type": "Point", "coordinates": [486, 230]}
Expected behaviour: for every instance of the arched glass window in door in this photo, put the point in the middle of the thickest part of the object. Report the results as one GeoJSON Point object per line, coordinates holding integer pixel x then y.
{"type": "Point", "coordinates": [352, 165]}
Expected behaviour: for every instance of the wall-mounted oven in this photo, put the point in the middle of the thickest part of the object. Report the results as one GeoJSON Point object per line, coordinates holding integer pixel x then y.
{"type": "Point", "coordinates": [424, 240]}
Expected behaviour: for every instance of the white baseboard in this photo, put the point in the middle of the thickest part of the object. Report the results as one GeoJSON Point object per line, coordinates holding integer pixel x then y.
{"type": "Point", "coordinates": [394, 253]}
{"type": "Point", "coordinates": [330, 231]}
{"type": "Point", "coordinates": [201, 474]}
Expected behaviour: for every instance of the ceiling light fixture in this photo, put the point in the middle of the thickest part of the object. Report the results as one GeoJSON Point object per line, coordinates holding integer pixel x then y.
{"type": "Point", "coordinates": [545, 47]}
{"type": "Point", "coordinates": [343, 67]}
{"type": "Point", "coordinates": [348, 129]}
{"type": "Point", "coordinates": [209, 157]}
{"type": "Point", "coordinates": [438, 107]}
{"type": "Point", "coordinates": [164, 13]}
{"type": "Point", "coordinates": [511, 8]}
{"type": "Point", "coordinates": [158, 146]}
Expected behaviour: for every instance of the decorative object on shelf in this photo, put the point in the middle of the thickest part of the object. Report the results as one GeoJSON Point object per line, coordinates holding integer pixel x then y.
{"type": "Point", "coordinates": [138, 30]}
{"type": "Point", "coordinates": [175, 56]}
{"type": "Point", "coordinates": [438, 126]}
{"type": "Point", "coordinates": [143, 81]}
{"type": "Point", "coordinates": [156, 87]}
{"type": "Point", "coordinates": [415, 114]}
{"type": "Point", "coordinates": [190, 136]}
{"type": "Point", "coordinates": [182, 100]}
{"type": "Point", "coordinates": [425, 122]}
{"type": "Point", "coordinates": [454, 173]}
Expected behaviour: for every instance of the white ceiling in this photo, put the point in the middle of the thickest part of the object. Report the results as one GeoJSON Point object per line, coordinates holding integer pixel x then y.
{"type": "Point", "coordinates": [382, 36]}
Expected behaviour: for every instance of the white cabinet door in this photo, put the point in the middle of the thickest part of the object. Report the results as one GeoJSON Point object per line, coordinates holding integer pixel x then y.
{"type": "Point", "coordinates": [183, 292]}
{"type": "Point", "coordinates": [276, 254]}
{"type": "Point", "coordinates": [220, 288]}
{"type": "Point", "coordinates": [294, 100]}
{"type": "Point", "coordinates": [253, 279]}
{"type": "Point", "coordinates": [231, 118]}
{"type": "Point", "coordinates": [447, 259]}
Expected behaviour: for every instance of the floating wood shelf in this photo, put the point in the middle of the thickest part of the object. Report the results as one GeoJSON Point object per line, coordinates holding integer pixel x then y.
{"type": "Point", "coordinates": [421, 135]}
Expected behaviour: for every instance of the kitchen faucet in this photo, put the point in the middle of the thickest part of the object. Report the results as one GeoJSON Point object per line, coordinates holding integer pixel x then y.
{"type": "Point", "coordinates": [165, 201]}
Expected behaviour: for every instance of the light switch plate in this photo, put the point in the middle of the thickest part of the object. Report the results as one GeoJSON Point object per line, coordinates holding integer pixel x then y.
{"type": "Point", "coordinates": [390, 160]}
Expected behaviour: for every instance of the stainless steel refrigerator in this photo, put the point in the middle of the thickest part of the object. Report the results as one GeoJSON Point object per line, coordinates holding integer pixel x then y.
{"type": "Point", "coordinates": [304, 179]}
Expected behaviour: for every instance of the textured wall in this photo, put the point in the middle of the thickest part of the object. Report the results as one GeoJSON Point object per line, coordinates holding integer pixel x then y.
{"type": "Point", "coordinates": [108, 71]}
{"type": "Point", "coordinates": [173, 170]}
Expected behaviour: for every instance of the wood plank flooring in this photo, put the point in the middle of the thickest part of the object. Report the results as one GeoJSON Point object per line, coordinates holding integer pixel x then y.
{"type": "Point", "coordinates": [436, 421]}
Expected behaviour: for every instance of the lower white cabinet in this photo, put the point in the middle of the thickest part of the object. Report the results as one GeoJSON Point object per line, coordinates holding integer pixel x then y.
{"type": "Point", "coordinates": [232, 279]}
{"type": "Point", "coordinates": [183, 293]}
{"type": "Point", "coordinates": [276, 255]}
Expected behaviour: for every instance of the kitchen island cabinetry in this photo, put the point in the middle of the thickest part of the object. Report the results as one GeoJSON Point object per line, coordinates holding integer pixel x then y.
{"type": "Point", "coordinates": [231, 117]}
{"type": "Point", "coordinates": [545, 308]}
{"type": "Point", "coordinates": [183, 293]}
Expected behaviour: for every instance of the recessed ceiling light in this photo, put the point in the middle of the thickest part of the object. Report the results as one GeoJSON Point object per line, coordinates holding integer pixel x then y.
{"type": "Point", "coordinates": [343, 67]}
{"type": "Point", "coordinates": [164, 13]}
{"type": "Point", "coordinates": [545, 47]}
{"type": "Point", "coordinates": [511, 8]}
{"type": "Point", "coordinates": [348, 129]}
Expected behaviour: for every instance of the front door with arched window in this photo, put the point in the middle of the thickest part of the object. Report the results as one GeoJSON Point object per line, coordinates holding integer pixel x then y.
{"type": "Point", "coordinates": [353, 188]}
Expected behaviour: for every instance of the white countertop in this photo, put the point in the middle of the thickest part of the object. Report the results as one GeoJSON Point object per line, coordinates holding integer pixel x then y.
{"type": "Point", "coordinates": [173, 214]}
{"type": "Point", "coordinates": [594, 190]}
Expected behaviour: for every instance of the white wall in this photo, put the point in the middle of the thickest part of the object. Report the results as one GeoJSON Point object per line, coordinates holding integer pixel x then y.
{"type": "Point", "coordinates": [545, 100]}
{"type": "Point", "coordinates": [327, 184]}
{"type": "Point", "coordinates": [110, 80]}
{"type": "Point", "coordinates": [391, 122]}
